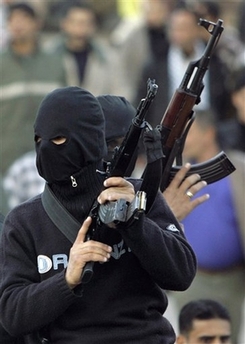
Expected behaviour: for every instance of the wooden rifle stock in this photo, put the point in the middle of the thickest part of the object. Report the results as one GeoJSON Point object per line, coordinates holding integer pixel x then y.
{"type": "Point", "coordinates": [176, 117]}
{"type": "Point", "coordinates": [179, 116]}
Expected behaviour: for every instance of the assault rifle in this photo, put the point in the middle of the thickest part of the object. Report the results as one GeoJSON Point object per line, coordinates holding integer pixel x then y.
{"type": "Point", "coordinates": [179, 116]}
{"type": "Point", "coordinates": [121, 211]}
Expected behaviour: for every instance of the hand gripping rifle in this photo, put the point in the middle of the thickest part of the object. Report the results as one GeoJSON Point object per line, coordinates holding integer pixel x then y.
{"type": "Point", "coordinates": [179, 116]}
{"type": "Point", "coordinates": [121, 211]}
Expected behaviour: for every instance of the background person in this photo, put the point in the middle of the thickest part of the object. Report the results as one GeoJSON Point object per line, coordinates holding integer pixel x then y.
{"type": "Point", "coordinates": [27, 74]}
{"type": "Point", "coordinates": [232, 131]}
{"type": "Point", "coordinates": [216, 229]}
{"type": "Point", "coordinates": [147, 38]}
{"type": "Point", "coordinates": [204, 321]}
{"type": "Point", "coordinates": [184, 46]}
{"type": "Point", "coordinates": [230, 49]}
{"type": "Point", "coordinates": [88, 62]}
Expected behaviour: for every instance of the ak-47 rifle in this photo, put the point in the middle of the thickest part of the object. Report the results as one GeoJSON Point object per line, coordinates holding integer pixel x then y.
{"type": "Point", "coordinates": [179, 116]}
{"type": "Point", "coordinates": [121, 211]}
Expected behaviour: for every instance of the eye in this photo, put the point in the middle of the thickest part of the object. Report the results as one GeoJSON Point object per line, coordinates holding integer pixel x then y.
{"type": "Point", "coordinates": [207, 340]}
{"type": "Point", "coordinates": [37, 139]}
{"type": "Point", "coordinates": [59, 140]}
{"type": "Point", "coordinates": [111, 144]}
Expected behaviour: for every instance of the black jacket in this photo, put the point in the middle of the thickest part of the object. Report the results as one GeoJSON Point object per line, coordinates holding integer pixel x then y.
{"type": "Point", "coordinates": [124, 301]}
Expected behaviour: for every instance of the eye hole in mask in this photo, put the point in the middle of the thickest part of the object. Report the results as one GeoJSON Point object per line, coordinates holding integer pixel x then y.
{"type": "Point", "coordinates": [37, 139]}
{"type": "Point", "coordinates": [59, 140]}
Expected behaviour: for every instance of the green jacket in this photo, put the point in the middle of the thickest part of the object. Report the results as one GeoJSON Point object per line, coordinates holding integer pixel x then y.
{"type": "Point", "coordinates": [24, 81]}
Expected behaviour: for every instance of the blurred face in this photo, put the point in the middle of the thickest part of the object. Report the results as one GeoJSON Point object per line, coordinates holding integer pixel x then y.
{"type": "Point", "coordinates": [212, 331]}
{"type": "Point", "coordinates": [238, 99]}
{"type": "Point", "coordinates": [195, 142]}
{"type": "Point", "coordinates": [111, 145]}
{"type": "Point", "coordinates": [79, 26]}
{"type": "Point", "coordinates": [155, 12]}
{"type": "Point", "coordinates": [202, 12]}
{"type": "Point", "coordinates": [183, 29]}
{"type": "Point", "coordinates": [21, 26]}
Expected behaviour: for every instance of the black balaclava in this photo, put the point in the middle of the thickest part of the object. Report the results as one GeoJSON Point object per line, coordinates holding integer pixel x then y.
{"type": "Point", "coordinates": [71, 168]}
{"type": "Point", "coordinates": [119, 114]}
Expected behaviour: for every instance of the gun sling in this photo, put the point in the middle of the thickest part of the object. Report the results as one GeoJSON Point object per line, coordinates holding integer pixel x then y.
{"type": "Point", "coordinates": [66, 223]}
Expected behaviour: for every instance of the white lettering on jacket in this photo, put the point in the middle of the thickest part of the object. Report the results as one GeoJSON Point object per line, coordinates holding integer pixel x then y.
{"type": "Point", "coordinates": [45, 263]}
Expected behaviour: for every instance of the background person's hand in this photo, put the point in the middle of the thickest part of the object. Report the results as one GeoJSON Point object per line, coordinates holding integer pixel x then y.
{"type": "Point", "coordinates": [180, 191]}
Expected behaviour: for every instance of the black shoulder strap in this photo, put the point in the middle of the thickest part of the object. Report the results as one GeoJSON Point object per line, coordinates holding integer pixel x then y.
{"type": "Point", "coordinates": [66, 223]}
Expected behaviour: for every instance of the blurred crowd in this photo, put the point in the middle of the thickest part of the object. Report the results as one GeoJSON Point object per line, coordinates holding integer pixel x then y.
{"type": "Point", "coordinates": [113, 47]}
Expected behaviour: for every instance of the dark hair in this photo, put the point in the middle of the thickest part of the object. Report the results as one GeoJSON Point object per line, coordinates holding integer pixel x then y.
{"type": "Point", "coordinates": [24, 7]}
{"type": "Point", "coordinates": [201, 310]}
{"type": "Point", "coordinates": [212, 8]}
{"type": "Point", "coordinates": [68, 6]}
{"type": "Point", "coordinates": [183, 7]}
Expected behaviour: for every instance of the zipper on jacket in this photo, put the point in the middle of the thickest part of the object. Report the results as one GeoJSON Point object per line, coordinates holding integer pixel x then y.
{"type": "Point", "coordinates": [73, 182]}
